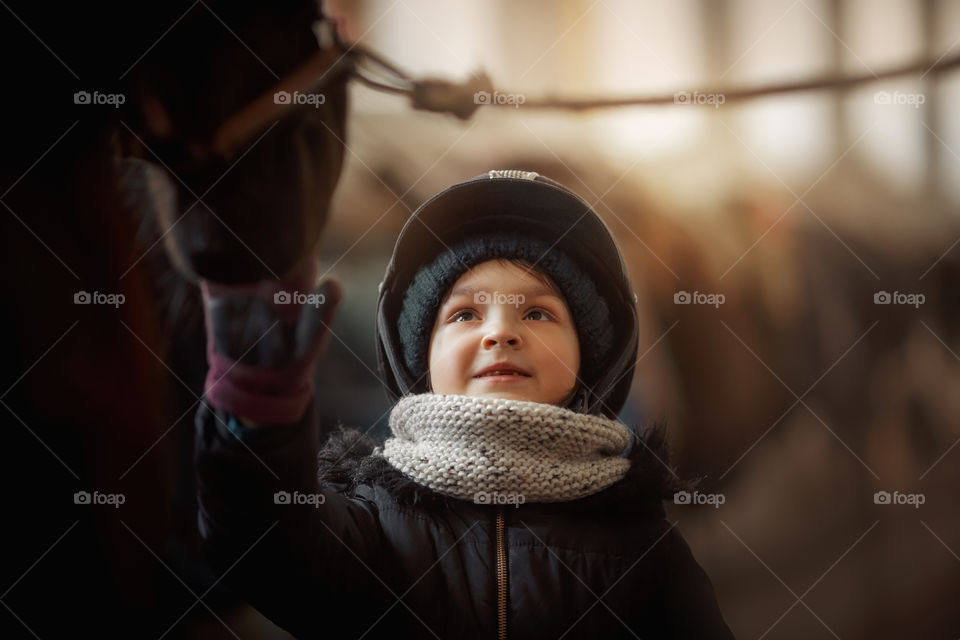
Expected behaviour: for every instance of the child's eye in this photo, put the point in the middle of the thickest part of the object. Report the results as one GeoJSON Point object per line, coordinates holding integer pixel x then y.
{"type": "Point", "coordinates": [544, 315]}
{"type": "Point", "coordinates": [461, 315]}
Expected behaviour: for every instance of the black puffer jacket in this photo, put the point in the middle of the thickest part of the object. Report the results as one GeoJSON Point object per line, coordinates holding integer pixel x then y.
{"type": "Point", "coordinates": [384, 557]}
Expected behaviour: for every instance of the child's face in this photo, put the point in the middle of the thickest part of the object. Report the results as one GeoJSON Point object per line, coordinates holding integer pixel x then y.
{"type": "Point", "coordinates": [498, 313]}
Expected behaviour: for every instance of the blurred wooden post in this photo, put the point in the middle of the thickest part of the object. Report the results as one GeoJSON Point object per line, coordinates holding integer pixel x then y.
{"type": "Point", "coordinates": [715, 29]}
{"type": "Point", "coordinates": [931, 114]}
{"type": "Point", "coordinates": [839, 123]}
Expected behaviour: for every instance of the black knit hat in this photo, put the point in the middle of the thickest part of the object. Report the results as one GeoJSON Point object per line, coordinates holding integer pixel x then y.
{"type": "Point", "coordinates": [510, 214]}
{"type": "Point", "coordinates": [433, 280]}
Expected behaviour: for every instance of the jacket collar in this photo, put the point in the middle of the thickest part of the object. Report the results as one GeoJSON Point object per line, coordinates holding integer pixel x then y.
{"type": "Point", "coordinates": [347, 462]}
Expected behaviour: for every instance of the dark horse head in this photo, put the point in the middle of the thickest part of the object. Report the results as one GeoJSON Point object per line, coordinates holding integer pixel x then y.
{"type": "Point", "coordinates": [115, 114]}
{"type": "Point", "coordinates": [251, 158]}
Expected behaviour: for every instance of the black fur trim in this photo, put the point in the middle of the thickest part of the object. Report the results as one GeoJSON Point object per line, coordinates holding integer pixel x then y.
{"type": "Point", "coordinates": [346, 462]}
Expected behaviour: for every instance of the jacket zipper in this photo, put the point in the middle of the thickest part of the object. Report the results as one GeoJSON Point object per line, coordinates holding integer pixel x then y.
{"type": "Point", "coordinates": [501, 577]}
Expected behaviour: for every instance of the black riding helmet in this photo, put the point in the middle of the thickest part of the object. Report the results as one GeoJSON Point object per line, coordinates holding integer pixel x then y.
{"type": "Point", "coordinates": [526, 205]}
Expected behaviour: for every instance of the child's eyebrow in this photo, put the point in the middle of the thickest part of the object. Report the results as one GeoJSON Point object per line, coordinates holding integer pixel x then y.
{"type": "Point", "coordinates": [531, 292]}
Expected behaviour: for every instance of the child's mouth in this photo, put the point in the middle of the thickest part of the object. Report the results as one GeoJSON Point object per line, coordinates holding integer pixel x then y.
{"type": "Point", "coordinates": [502, 376]}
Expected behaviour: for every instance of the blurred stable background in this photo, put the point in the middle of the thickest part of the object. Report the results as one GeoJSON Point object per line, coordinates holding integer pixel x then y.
{"type": "Point", "coordinates": [799, 397]}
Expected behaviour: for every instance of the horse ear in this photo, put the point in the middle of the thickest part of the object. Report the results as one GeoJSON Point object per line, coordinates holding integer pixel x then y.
{"type": "Point", "coordinates": [155, 117]}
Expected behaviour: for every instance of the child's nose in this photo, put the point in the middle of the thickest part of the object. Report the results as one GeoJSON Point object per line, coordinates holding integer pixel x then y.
{"type": "Point", "coordinates": [501, 332]}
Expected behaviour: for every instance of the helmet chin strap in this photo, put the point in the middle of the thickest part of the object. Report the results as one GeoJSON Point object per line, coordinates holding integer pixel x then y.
{"type": "Point", "coordinates": [578, 399]}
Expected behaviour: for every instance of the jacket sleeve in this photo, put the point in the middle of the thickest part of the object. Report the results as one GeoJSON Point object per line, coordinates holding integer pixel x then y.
{"type": "Point", "coordinates": [690, 604]}
{"type": "Point", "coordinates": [275, 537]}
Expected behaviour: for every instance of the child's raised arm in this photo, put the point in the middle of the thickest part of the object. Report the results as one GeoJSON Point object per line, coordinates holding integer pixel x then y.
{"type": "Point", "coordinates": [297, 552]}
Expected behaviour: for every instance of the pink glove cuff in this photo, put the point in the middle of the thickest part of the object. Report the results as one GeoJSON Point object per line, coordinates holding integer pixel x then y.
{"type": "Point", "coordinates": [262, 349]}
